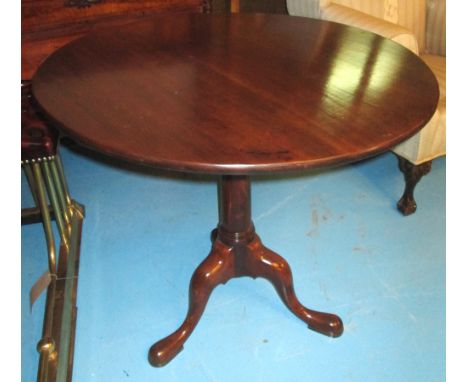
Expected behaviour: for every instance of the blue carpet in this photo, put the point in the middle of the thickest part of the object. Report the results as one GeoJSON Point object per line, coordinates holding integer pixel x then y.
{"type": "Point", "coordinates": [351, 252]}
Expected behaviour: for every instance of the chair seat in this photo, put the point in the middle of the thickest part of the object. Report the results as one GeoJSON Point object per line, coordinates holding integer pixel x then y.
{"type": "Point", "coordinates": [38, 140]}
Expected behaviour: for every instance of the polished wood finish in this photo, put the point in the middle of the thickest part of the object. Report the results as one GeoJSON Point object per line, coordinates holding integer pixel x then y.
{"type": "Point", "coordinates": [38, 139]}
{"type": "Point", "coordinates": [237, 251]}
{"type": "Point", "coordinates": [236, 94]}
{"type": "Point", "coordinates": [413, 174]}
{"type": "Point", "coordinates": [47, 25]}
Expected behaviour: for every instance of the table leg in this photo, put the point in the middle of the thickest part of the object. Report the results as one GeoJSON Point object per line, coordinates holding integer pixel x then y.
{"type": "Point", "coordinates": [237, 251]}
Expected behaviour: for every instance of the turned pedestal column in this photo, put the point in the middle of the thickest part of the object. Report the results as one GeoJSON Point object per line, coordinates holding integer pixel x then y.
{"type": "Point", "coordinates": [237, 251]}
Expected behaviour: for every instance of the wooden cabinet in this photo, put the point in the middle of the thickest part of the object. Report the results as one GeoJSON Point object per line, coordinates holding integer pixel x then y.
{"type": "Point", "coordinates": [46, 25]}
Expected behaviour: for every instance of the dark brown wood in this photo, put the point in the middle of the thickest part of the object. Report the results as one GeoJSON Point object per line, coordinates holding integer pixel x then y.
{"type": "Point", "coordinates": [236, 94]}
{"type": "Point", "coordinates": [33, 215]}
{"type": "Point", "coordinates": [257, 6]}
{"type": "Point", "coordinates": [413, 174]}
{"type": "Point", "coordinates": [47, 25]}
{"type": "Point", "coordinates": [207, 6]}
{"type": "Point", "coordinates": [263, 6]}
{"type": "Point", "coordinates": [38, 139]}
{"type": "Point", "coordinates": [237, 251]}
{"type": "Point", "coordinates": [80, 3]}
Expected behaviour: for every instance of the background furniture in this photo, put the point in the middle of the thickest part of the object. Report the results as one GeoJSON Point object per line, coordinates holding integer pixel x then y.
{"type": "Point", "coordinates": [44, 172]}
{"type": "Point", "coordinates": [47, 25]}
{"type": "Point", "coordinates": [418, 25]}
{"type": "Point", "coordinates": [206, 97]}
{"type": "Point", "coordinates": [257, 6]}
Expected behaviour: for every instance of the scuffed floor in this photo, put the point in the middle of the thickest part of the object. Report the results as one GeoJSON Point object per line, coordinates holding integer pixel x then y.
{"type": "Point", "coordinates": [350, 251]}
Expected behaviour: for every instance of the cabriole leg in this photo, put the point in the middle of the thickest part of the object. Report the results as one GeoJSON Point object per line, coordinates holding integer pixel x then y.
{"type": "Point", "coordinates": [413, 174]}
{"type": "Point", "coordinates": [237, 251]}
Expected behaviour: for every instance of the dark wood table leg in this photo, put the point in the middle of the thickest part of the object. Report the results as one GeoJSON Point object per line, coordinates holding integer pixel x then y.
{"type": "Point", "coordinates": [237, 251]}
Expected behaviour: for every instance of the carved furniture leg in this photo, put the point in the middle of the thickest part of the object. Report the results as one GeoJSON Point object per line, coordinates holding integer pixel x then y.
{"type": "Point", "coordinates": [215, 269]}
{"type": "Point", "coordinates": [263, 262]}
{"type": "Point", "coordinates": [237, 251]}
{"type": "Point", "coordinates": [413, 174]}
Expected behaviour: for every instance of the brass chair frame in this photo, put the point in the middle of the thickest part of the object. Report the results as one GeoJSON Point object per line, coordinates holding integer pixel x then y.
{"type": "Point", "coordinates": [49, 189]}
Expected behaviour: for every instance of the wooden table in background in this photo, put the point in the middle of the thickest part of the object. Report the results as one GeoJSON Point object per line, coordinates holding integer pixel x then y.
{"type": "Point", "coordinates": [236, 95]}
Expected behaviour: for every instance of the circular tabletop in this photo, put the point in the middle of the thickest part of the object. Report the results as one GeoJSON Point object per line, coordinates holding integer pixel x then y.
{"type": "Point", "coordinates": [236, 94]}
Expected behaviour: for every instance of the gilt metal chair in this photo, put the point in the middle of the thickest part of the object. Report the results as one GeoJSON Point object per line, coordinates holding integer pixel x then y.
{"type": "Point", "coordinates": [44, 172]}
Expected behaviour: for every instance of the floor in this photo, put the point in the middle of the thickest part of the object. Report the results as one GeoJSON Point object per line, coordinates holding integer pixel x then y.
{"type": "Point", "coordinates": [350, 251]}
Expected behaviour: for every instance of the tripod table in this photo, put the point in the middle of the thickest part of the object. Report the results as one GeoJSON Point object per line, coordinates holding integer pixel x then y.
{"type": "Point", "coordinates": [236, 96]}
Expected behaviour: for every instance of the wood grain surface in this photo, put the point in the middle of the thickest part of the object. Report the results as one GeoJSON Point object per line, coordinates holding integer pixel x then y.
{"type": "Point", "coordinates": [47, 25]}
{"type": "Point", "coordinates": [236, 94]}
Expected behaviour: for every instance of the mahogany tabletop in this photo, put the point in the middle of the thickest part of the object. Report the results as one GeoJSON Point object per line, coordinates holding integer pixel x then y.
{"type": "Point", "coordinates": [236, 94]}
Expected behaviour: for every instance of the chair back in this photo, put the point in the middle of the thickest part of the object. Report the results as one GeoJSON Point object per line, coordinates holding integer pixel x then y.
{"type": "Point", "coordinates": [410, 14]}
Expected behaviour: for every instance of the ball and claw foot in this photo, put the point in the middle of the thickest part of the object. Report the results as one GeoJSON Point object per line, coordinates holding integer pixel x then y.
{"type": "Point", "coordinates": [413, 174]}
{"type": "Point", "coordinates": [407, 205]}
